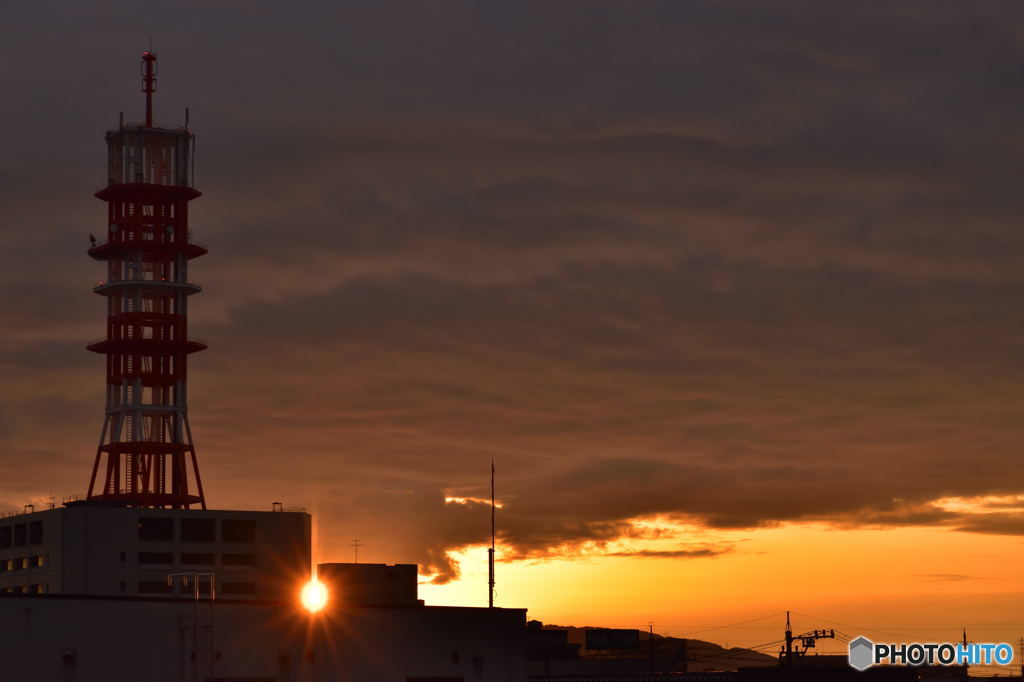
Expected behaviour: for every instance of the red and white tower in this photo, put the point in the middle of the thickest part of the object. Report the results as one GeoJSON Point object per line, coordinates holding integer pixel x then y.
{"type": "Point", "coordinates": [146, 454]}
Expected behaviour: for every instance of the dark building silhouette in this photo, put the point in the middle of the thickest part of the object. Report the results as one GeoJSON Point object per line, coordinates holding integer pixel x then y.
{"type": "Point", "coordinates": [378, 584]}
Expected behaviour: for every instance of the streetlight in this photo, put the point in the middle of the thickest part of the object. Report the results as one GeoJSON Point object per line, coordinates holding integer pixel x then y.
{"type": "Point", "coordinates": [196, 575]}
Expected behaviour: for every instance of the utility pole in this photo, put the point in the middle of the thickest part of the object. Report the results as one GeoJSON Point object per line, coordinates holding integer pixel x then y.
{"type": "Point", "coordinates": [490, 552]}
{"type": "Point", "coordinates": [650, 642]}
{"type": "Point", "coordinates": [789, 641]}
{"type": "Point", "coordinates": [355, 546]}
{"type": "Point", "coordinates": [808, 640]}
{"type": "Point", "coordinates": [1020, 645]}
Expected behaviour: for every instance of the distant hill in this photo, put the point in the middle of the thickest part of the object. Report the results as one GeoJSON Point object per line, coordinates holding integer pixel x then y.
{"type": "Point", "coordinates": [669, 652]}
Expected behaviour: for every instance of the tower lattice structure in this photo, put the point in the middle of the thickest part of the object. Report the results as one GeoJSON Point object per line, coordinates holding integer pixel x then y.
{"type": "Point", "coordinates": [146, 456]}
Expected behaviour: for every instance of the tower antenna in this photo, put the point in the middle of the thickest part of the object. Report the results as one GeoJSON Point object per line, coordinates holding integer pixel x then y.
{"type": "Point", "coordinates": [149, 83]}
{"type": "Point", "coordinates": [490, 552]}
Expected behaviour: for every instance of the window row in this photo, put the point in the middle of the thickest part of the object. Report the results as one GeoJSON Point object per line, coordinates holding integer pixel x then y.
{"type": "Point", "coordinates": [164, 529]}
{"type": "Point", "coordinates": [24, 589]}
{"type": "Point", "coordinates": [20, 563]}
{"type": "Point", "coordinates": [194, 559]}
{"type": "Point", "coordinates": [21, 534]}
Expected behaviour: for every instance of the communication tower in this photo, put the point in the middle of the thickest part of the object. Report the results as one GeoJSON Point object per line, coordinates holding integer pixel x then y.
{"type": "Point", "coordinates": [146, 457]}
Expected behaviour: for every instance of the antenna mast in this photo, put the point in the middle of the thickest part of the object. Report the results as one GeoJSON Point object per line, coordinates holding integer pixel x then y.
{"type": "Point", "coordinates": [149, 83]}
{"type": "Point", "coordinates": [490, 552]}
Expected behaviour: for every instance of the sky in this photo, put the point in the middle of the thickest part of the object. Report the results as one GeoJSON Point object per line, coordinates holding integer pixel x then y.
{"type": "Point", "coordinates": [729, 291]}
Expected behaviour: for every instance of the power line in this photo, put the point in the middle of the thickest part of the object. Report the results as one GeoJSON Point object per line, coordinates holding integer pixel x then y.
{"type": "Point", "coordinates": [1009, 626]}
{"type": "Point", "coordinates": [743, 650]}
{"type": "Point", "coordinates": [725, 627]}
{"type": "Point", "coordinates": [721, 627]}
{"type": "Point", "coordinates": [855, 627]}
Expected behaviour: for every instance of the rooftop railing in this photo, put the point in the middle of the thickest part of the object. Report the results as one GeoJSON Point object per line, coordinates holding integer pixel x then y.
{"type": "Point", "coordinates": [190, 339]}
{"type": "Point", "coordinates": [148, 242]}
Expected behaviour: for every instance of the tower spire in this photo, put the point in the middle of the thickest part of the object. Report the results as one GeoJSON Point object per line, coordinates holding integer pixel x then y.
{"type": "Point", "coordinates": [149, 83]}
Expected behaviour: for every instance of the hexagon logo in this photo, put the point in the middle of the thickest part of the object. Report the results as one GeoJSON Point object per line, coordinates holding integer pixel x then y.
{"type": "Point", "coordinates": [861, 653]}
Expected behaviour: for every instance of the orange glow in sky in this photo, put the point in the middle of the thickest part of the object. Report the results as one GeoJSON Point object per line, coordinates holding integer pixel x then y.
{"type": "Point", "coordinates": [467, 500]}
{"type": "Point", "coordinates": [914, 583]}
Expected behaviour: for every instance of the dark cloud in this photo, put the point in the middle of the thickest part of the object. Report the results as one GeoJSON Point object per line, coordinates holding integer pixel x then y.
{"type": "Point", "coordinates": [722, 262]}
{"type": "Point", "coordinates": [947, 577]}
{"type": "Point", "coordinates": [701, 553]}
{"type": "Point", "coordinates": [999, 524]}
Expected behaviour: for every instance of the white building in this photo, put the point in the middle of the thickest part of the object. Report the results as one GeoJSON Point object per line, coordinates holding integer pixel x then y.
{"type": "Point", "coordinates": [63, 638]}
{"type": "Point", "coordinates": [89, 549]}
{"type": "Point", "coordinates": [84, 597]}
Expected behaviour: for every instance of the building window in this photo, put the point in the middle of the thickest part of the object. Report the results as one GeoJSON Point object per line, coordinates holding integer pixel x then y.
{"type": "Point", "coordinates": [196, 558]}
{"type": "Point", "coordinates": [154, 587]}
{"type": "Point", "coordinates": [198, 530]}
{"type": "Point", "coordinates": [156, 558]}
{"type": "Point", "coordinates": [20, 534]}
{"type": "Point", "coordinates": [5, 537]}
{"type": "Point", "coordinates": [238, 559]}
{"type": "Point", "coordinates": [21, 562]}
{"type": "Point", "coordinates": [156, 529]}
{"type": "Point", "coordinates": [238, 588]}
{"type": "Point", "coordinates": [237, 530]}
{"type": "Point", "coordinates": [35, 533]}
{"type": "Point", "coordinates": [38, 561]}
